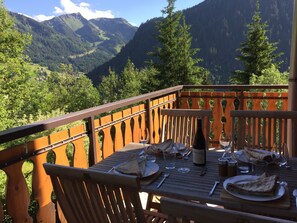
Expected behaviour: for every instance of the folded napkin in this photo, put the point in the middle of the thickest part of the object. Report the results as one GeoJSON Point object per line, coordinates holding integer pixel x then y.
{"type": "Point", "coordinates": [256, 154]}
{"type": "Point", "coordinates": [166, 146]}
{"type": "Point", "coordinates": [133, 166]}
{"type": "Point", "coordinates": [263, 186]}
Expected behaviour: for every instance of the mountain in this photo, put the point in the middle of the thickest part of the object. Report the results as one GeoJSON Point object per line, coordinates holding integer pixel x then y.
{"type": "Point", "coordinates": [217, 28]}
{"type": "Point", "coordinates": [72, 39]}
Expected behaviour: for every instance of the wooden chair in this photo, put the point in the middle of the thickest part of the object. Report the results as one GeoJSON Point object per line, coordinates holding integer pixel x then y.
{"type": "Point", "coordinates": [186, 211]}
{"type": "Point", "coordinates": [98, 197]}
{"type": "Point", "coordinates": [181, 124]}
{"type": "Point", "coordinates": [260, 129]}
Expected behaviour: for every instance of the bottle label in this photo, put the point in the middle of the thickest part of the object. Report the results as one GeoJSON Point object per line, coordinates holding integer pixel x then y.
{"type": "Point", "coordinates": [199, 156]}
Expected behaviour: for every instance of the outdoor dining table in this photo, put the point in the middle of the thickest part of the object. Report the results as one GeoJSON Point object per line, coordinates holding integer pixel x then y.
{"type": "Point", "coordinates": [195, 186]}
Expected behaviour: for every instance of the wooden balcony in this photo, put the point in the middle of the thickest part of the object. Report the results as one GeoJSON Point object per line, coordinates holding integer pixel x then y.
{"type": "Point", "coordinates": [83, 138]}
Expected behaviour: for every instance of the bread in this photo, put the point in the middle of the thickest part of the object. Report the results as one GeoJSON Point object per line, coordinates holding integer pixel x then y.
{"type": "Point", "coordinates": [263, 186]}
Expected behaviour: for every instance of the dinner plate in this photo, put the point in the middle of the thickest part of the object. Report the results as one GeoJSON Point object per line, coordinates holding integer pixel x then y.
{"type": "Point", "coordinates": [150, 169]}
{"type": "Point", "coordinates": [245, 178]}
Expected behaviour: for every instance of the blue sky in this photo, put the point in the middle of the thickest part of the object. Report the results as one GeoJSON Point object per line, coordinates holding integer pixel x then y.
{"type": "Point", "coordinates": [134, 11]}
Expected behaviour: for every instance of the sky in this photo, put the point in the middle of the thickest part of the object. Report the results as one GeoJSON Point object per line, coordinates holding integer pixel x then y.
{"type": "Point", "coordinates": [134, 11]}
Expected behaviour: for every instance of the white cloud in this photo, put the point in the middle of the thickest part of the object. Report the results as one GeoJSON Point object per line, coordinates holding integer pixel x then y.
{"type": "Point", "coordinates": [41, 18]}
{"type": "Point", "coordinates": [67, 6]}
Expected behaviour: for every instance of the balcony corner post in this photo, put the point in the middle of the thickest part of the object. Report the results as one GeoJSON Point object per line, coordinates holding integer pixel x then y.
{"type": "Point", "coordinates": [92, 137]}
{"type": "Point", "coordinates": [148, 119]}
{"type": "Point", "coordinates": [178, 96]}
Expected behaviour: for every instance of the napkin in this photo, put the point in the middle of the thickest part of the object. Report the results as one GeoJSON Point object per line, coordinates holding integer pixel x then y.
{"type": "Point", "coordinates": [133, 166]}
{"type": "Point", "coordinates": [166, 146]}
{"type": "Point", "coordinates": [263, 186]}
{"type": "Point", "coordinates": [255, 154]}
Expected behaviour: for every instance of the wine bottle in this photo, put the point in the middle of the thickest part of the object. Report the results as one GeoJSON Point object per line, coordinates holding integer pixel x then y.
{"type": "Point", "coordinates": [199, 146]}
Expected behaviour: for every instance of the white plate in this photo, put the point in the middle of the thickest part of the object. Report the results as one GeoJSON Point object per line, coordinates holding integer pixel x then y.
{"type": "Point", "coordinates": [279, 193]}
{"type": "Point", "coordinates": [150, 169]}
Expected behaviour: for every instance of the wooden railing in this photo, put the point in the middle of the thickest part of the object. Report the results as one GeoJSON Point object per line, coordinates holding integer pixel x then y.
{"type": "Point", "coordinates": [103, 130]}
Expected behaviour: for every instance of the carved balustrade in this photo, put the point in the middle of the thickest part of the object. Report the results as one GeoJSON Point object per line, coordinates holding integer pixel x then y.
{"type": "Point", "coordinates": [88, 136]}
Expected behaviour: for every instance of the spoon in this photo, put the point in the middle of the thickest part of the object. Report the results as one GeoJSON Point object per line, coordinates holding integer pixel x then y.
{"type": "Point", "coordinates": [295, 195]}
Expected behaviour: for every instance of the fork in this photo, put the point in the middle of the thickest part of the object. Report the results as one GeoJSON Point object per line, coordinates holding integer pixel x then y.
{"type": "Point", "coordinates": [217, 182]}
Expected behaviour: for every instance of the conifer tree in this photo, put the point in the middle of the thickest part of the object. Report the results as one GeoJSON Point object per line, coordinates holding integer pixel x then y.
{"type": "Point", "coordinates": [175, 61]}
{"type": "Point", "coordinates": [257, 53]}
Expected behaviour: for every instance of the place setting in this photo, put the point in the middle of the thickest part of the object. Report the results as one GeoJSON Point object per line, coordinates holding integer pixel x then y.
{"type": "Point", "coordinates": [171, 151]}
{"type": "Point", "coordinates": [251, 181]}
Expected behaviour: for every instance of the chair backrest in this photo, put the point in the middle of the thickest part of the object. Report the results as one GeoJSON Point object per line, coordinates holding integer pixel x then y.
{"type": "Point", "coordinates": [260, 129]}
{"type": "Point", "coordinates": [187, 211]}
{"type": "Point", "coordinates": [181, 124]}
{"type": "Point", "coordinates": [92, 196]}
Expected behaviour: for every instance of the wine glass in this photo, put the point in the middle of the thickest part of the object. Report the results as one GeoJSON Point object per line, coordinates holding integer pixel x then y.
{"type": "Point", "coordinates": [283, 158]}
{"type": "Point", "coordinates": [225, 143]}
{"type": "Point", "coordinates": [185, 158]}
{"type": "Point", "coordinates": [143, 139]}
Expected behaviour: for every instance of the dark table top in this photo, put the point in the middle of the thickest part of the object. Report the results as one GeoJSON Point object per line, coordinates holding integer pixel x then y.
{"type": "Point", "coordinates": [192, 186]}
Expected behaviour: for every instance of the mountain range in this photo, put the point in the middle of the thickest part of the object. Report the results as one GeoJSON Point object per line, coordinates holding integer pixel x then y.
{"type": "Point", "coordinates": [72, 39]}
{"type": "Point", "coordinates": [217, 29]}
{"type": "Point", "coordinates": [95, 46]}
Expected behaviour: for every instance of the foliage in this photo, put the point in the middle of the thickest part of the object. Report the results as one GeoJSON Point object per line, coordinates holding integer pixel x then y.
{"type": "Point", "coordinates": [148, 81]}
{"type": "Point", "coordinates": [70, 92]}
{"type": "Point", "coordinates": [71, 39]}
{"type": "Point", "coordinates": [175, 61]}
{"type": "Point", "coordinates": [270, 76]}
{"type": "Point", "coordinates": [13, 70]}
{"type": "Point", "coordinates": [257, 53]}
{"type": "Point", "coordinates": [109, 88]}
{"type": "Point", "coordinates": [217, 36]}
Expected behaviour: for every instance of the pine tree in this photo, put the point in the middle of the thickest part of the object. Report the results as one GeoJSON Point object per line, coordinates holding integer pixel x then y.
{"type": "Point", "coordinates": [257, 53]}
{"type": "Point", "coordinates": [130, 81]}
{"type": "Point", "coordinates": [175, 61]}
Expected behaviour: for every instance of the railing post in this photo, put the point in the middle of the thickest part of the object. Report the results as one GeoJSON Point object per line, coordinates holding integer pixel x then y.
{"type": "Point", "coordinates": [178, 95]}
{"type": "Point", "coordinates": [92, 137]}
{"type": "Point", "coordinates": [292, 94]}
{"type": "Point", "coordinates": [148, 119]}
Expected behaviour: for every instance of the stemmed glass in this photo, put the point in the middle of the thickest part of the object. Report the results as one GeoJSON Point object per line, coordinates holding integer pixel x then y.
{"type": "Point", "coordinates": [284, 156]}
{"type": "Point", "coordinates": [225, 142]}
{"type": "Point", "coordinates": [143, 139]}
{"type": "Point", "coordinates": [187, 147]}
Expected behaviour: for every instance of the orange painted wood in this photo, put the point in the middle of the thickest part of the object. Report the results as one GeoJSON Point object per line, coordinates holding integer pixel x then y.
{"type": "Point", "coordinates": [17, 193]}
{"type": "Point", "coordinates": [107, 146]}
{"type": "Point", "coordinates": [156, 121]}
{"type": "Point", "coordinates": [142, 123]}
{"type": "Point", "coordinates": [58, 136]}
{"type": "Point", "coordinates": [118, 131]}
{"type": "Point", "coordinates": [41, 184]}
{"type": "Point", "coordinates": [128, 130]}
{"type": "Point", "coordinates": [80, 156]}
{"type": "Point", "coordinates": [60, 152]}
{"type": "Point", "coordinates": [136, 128]}
{"type": "Point", "coordinates": [42, 190]}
